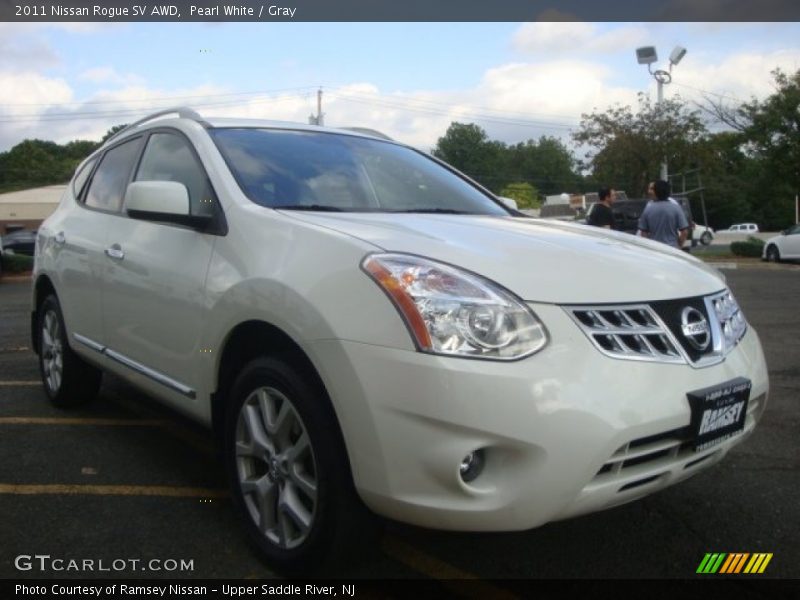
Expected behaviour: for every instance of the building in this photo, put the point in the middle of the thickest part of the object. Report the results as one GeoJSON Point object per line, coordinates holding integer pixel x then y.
{"type": "Point", "coordinates": [27, 209]}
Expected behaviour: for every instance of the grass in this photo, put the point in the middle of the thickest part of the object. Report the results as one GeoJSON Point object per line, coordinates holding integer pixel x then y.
{"type": "Point", "coordinates": [17, 263]}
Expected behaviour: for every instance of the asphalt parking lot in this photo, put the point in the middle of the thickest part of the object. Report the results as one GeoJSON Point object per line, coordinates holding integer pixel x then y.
{"type": "Point", "coordinates": [123, 479]}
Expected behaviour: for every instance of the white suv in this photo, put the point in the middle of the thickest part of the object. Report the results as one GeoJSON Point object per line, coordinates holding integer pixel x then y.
{"type": "Point", "coordinates": [744, 228]}
{"type": "Point", "coordinates": [365, 326]}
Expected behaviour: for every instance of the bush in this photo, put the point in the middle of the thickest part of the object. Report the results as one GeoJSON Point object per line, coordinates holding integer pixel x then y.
{"type": "Point", "coordinates": [753, 247]}
{"type": "Point", "coordinates": [524, 193]}
{"type": "Point", "coordinates": [17, 263]}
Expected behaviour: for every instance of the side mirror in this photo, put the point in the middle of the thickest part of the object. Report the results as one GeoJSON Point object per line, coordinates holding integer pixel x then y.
{"type": "Point", "coordinates": [157, 198]}
{"type": "Point", "coordinates": [165, 201]}
{"type": "Point", "coordinates": [508, 202]}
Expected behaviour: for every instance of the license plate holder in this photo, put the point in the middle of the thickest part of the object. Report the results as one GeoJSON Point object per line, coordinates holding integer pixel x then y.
{"type": "Point", "coordinates": [718, 412]}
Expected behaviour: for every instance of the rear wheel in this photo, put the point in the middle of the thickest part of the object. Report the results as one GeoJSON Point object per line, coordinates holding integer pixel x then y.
{"type": "Point", "coordinates": [288, 469]}
{"type": "Point", "coordinates": [706, 238]}
{"type": "Point", "coordinates": [773, 254]}
{"type": "Point", "coordinates": [68, 380]}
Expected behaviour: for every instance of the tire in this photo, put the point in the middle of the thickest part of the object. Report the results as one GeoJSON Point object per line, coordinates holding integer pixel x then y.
{"type": "Point", "coordinates": [68, 380]}
{"type": "Point", "coordinates": [706, 238]}
{"type": "Point", "coordinates": [288, 471]}
{"type": "Point", "coordinates": [773, 254]}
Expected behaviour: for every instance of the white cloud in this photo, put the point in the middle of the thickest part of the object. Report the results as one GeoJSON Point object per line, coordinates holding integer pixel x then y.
{"type": "Point", "coordinates": [108, 75]}
{"type": "Point", "coordinates": [18, 121]}
{"type": "Point", "coordinates": [33, 89]}
{"type": "Point", "coordinates": [558, 38]}
{"type": "Point", "coordinates": [21, 53]}
{"type": "Point", "coordinates": [739, 77]}
{"type": "Point", "coordinates": [512, 102]}
{"type": "Point", "coordinates": [543, 93]}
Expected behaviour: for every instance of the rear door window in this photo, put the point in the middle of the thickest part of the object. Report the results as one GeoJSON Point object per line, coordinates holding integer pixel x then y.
{"type": "Point", "coordinates": [83, 175]}
{"type": "Point", "coordinates": [111, 178]}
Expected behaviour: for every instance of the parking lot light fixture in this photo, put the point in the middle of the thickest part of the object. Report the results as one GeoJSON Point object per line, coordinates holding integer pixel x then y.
{"type": "Point", "coordinates": [646, 55]}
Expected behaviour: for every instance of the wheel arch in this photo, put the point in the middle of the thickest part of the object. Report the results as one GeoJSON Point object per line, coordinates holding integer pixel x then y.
{"type": "Point", "coordinates": [42, 289]}
{"type": "Point", "coordinates": [251, 339]}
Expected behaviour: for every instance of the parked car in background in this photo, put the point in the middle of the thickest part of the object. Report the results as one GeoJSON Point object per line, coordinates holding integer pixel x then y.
{"type": "Point", "coordinates": [22, 241]}
{"type": "Point", "coordinates": [362, 327]}
{"type": "Point", "coordinates": [702, 234]}
{"type": "Point", "coordinates": [743, 228]}
{"type": "Point", "coordinates": [785, 246]}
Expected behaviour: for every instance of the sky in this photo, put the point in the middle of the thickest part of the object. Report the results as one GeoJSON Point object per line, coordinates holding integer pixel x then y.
{"type": "Point", "coordinates": [518, 81]}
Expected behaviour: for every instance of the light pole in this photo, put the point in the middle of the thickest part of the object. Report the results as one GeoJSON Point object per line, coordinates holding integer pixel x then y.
{"type": "Point", "coordinates": [646, 55]}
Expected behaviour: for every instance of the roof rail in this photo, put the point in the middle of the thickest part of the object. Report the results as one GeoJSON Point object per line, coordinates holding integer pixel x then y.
{"type": "Point", "coordinates": [182, 111]}
{"type": "Point", "coordinates": [368, 131]}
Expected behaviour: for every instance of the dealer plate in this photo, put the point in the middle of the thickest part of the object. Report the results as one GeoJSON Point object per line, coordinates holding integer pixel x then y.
{"type": "Point", "coordinates": [718, 412]}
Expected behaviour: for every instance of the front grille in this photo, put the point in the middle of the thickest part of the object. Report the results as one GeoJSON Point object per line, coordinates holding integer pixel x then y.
{"type": "Point", "coordinates": [634, 332]}
{"type": "Point", "coordinates": [699, 330]}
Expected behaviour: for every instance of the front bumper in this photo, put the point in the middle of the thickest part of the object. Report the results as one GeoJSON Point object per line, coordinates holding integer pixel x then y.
{"type": "Point", "coordinates": [565, 432]}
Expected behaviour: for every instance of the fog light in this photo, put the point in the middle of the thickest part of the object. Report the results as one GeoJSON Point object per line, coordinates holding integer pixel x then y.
{"type": "Point", "coordinates": [471, 466]}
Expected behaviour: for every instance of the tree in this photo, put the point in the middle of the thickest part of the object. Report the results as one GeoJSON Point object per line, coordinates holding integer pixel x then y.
{"type": "Point", "coordinates": [546, 164]}
{"type": "Point", "coordinates": [769, 137]}
{"type": "Point", "coordinates": [773, 136]}
{"type": "Point", "coordinates": [729, 178]}
{"type": "Point", "coordinates": [115, 129]}
{"type": "Point", "coordinates": [33, 163]}
{"type": "Point", "coordinates": [468, 149]}
{"type": "Point", "coordinates": [626, 149]}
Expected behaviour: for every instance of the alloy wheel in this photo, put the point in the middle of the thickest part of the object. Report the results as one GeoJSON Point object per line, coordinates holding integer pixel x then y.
{"type": "Point", "coordinates": [52, 351]}
{"type": "Point", "coordinates": [276, 468]}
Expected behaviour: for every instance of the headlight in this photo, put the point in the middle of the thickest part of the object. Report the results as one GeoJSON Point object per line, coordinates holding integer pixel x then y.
{"type": "Point", "coordinates": [730, 318]}
{"type": "Point", "coordinates": [456, 313]}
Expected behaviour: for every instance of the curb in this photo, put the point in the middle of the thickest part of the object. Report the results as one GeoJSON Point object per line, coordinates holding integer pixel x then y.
{"type": "Point", "coordinates": [765, 266]}
{"type": "Point", "coordinates": [16, 277]}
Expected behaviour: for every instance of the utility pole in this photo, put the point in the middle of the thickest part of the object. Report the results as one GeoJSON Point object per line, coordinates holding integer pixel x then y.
{"type": "Point", "coordinates": [320, 118]}
{"type": "Point", "coordinates": [662, 78]}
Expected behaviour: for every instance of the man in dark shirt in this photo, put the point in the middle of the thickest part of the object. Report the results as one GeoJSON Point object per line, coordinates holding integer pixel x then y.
{"type": "Point", "coordinates": [601, 215]}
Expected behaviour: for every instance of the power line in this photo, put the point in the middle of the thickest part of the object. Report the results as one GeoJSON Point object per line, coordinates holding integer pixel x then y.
{"type": "Point", "coordinates": [448, 105]}
{"type": "Point", "coordinates": [474, 115]}
{"type": "Point", "coordinates": [158, 99]}
{"type": "Point", "coordinates": [132, 112]}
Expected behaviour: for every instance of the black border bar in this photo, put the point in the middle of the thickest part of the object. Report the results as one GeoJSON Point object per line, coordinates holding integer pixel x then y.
{"type": "Point", "coordinates": [400, 10]}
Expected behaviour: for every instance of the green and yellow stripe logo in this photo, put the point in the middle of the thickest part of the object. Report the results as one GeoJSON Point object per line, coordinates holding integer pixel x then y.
{"type": "Point", "coordinates": [734, 563]}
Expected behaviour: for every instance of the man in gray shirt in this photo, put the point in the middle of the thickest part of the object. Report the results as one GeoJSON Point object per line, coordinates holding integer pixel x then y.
{"type": "Point", "coordinates": [663, 220]}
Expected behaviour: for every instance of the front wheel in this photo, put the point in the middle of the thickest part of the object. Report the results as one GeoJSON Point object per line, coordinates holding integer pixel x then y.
{"type": "Point", "coordinates": [68, 380]}
{"type": "Point", "coordinates": [773, 254]}
{"type": "Point", "coordinates": [287, 467]}
{"type": "Point", "coordinates": [706, 238]}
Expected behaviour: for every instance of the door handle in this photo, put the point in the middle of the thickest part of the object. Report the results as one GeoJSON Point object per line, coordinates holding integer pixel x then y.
{"type": "Point", "coordinates": [59, 238]}
{"type": "Point", "coordinates": [115, 252]}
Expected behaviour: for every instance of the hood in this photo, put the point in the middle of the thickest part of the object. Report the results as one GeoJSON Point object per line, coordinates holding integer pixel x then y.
{"type": "Point", "coordinates": [539, 261]}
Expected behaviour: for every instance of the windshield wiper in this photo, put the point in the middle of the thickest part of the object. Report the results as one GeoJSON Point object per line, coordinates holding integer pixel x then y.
{"type": "Point", "coordinates": [314, 207]}
{"type": "Point", "coordinates": [443, 211]}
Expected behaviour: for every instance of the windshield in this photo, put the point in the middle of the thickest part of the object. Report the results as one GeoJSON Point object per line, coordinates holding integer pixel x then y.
{"type": "Point", "coordinates": [307, 170]}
